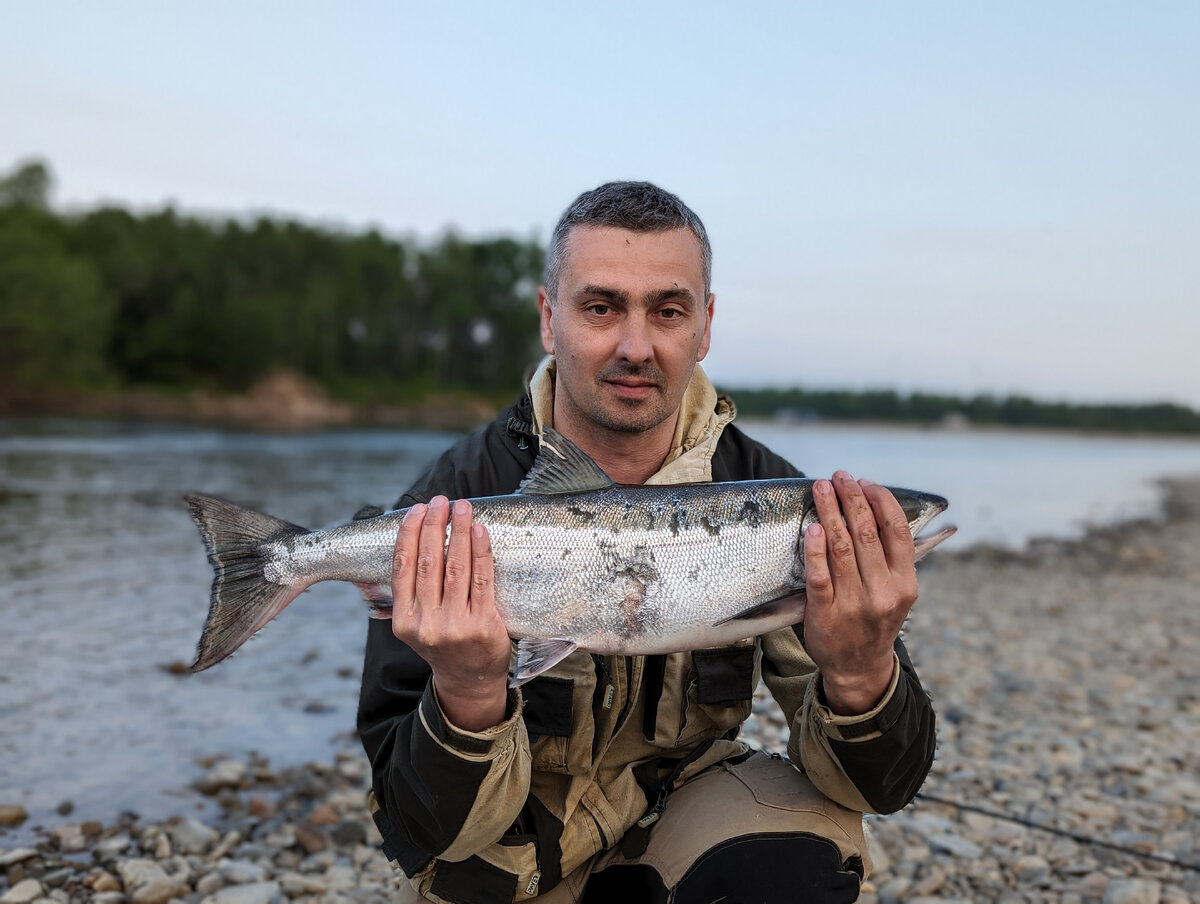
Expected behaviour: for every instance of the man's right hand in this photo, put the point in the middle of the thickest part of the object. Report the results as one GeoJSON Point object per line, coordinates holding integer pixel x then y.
{"type": "Point", "coordinates": [445, 609]}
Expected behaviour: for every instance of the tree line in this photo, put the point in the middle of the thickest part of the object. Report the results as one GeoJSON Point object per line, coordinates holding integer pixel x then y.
{"type": "Point", "coordinates": [982, 410]}
{"type": "Point", "coordinates": [112, 299]}
{"type": "Point", "coordinates": [108, 300]}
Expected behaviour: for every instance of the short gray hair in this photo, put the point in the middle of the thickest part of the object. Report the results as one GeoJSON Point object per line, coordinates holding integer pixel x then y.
{"type": "Point", "coordinates": [637, 206]}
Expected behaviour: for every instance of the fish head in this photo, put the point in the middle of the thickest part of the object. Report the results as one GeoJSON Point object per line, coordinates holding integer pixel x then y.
{"type": "Point", "coordinates": [919, 509]}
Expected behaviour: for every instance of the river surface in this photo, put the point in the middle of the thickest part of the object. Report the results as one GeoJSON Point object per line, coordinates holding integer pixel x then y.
{"type": "Point", "coordinates": [103, 580]}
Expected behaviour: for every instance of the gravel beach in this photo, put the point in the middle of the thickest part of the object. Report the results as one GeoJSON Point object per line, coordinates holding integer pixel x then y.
{"type": "Point", "coordinates": [1066, 678]}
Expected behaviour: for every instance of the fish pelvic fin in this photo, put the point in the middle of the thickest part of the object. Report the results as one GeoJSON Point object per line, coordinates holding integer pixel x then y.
{"type": "Point", "coordinates": [562, 467]}
{"type": "Point", "coordinates": [783, 606]}
{"type": "Point", "coordinates": [536, 656]}
{"type": "Point", "coordinates": [243, 600]}
{"type": "Point", "coordinates": [378, 597]}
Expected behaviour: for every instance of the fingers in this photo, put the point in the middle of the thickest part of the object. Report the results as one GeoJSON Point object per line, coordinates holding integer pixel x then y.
{"type": "Point", "coordinates": [839, 544]}
{"type": "Point", "coordinates": [431, 553]}
{"type": "Point", "coordinates": [483, 570]}
{"type": "Point", "coordinates": [457, 583]}
{"type": "Point", "coordinates": [404, 562]}
{"type": "Point", "coordinates": [894, 532]}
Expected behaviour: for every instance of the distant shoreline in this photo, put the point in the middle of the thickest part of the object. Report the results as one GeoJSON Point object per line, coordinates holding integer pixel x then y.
{"type": "Point", "coordinates": [289, 403]}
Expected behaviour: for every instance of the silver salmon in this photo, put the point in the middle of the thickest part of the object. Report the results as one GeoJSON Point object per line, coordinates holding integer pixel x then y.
{"type": "Point", "coordinates": [580, 562]}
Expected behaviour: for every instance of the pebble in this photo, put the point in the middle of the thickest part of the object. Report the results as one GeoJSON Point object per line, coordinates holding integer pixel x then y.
{"type": "Point", "coordinates": [12, 814]}
{"type": "Point", "coordinates": [1133, 891]}
{"type": "Point", "coordinates": [24, 892]}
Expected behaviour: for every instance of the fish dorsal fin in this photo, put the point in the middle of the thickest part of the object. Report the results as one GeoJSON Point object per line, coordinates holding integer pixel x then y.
{"type": "Point", "coordinates": [562, 467]}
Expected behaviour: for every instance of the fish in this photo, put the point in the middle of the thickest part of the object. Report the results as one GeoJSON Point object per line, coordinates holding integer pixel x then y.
{"type": "Point", "coordinates": [580, 561]}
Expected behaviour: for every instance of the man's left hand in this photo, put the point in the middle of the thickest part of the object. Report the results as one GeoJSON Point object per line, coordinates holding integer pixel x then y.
{"type": "Point", "coordinates": [861, 585]}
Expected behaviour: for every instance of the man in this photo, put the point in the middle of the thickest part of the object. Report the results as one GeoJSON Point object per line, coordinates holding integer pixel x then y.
{"type": "Point", "coordinates": [613, 776]}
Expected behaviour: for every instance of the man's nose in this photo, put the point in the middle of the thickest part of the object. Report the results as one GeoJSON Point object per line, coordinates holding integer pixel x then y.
{"type": "Point", "coordinates": [635, 342]}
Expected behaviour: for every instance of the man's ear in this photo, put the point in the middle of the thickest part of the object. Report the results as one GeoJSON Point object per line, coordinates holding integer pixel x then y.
{"type": "Point", "coordinates": [706, 338]}
{"type": "Point", "coordinates": [546, 313]}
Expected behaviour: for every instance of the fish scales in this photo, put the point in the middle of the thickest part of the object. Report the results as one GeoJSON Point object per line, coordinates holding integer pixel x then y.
{"type": "Point", "coordinates": [580, 562]}
{"type": "Point", "coordinates": [625, 568]}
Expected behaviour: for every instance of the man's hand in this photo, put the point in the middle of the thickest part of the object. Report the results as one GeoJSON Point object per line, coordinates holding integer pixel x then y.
{"type": "Point", "coordinates": [445, 609]}
{"type": "Point", "coordinates": [861, 585]}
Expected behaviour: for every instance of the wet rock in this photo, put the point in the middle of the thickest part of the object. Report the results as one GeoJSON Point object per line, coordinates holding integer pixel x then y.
{"type": "Point", "coordinates": [12, 814]}
{"type": "Point", "coordinates": [222, 774]}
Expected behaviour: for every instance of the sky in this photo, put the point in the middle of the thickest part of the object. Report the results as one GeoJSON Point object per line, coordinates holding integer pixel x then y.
{"type": "Point", "coordinates": [939, 197]}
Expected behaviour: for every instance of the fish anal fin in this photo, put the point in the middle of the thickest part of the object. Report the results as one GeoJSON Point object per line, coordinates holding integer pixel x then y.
{"type": "Point", "coordinates": [562, 467]}
{"type": "Point", "coordinates": [378, 597]}
{"type": "Point", "coordinates": [770, 609]}
{"type": "Point", "coordinates": [536, 656]}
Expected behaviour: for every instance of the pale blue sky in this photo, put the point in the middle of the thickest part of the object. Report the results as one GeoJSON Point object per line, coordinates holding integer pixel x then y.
{"type": "Point", "coordinates": [928, 196]}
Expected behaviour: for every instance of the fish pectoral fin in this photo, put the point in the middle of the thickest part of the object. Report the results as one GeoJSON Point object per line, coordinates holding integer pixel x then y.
{"type": "Point", "coordinates": [562, 467]}
{"type": "Point", "coordinates": [378, 597]}
{"type": "Point", "coordinates": [769, 609]}
{"type": "Point", "coordinates": [536, 656]}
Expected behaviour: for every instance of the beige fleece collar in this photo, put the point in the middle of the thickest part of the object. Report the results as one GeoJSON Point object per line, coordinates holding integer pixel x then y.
{"type": "Point", "coordinates": [703, 415]}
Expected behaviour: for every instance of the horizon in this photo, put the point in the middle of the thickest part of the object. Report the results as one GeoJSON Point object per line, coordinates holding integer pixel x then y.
{"type": "Point", "coordinates": [996, 201]}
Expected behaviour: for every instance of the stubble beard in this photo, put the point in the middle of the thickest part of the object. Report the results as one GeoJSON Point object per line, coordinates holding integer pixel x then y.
{"type": "Point", "coordinates": [630, 415]}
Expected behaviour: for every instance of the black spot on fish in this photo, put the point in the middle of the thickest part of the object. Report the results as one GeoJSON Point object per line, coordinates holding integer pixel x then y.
{"type": "Point", "coordinates": [713, 527]}
{"type": "Point", "coordinates": [673, 523]}
{"type": "Point", "coordinates": [582, 514]}
{"type": "Point", "coordinates": [751, 513]}
{"type": "Point", "coordinates": [566, 552]}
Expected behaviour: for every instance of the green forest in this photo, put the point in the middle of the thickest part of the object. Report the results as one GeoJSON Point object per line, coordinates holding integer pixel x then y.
{"type": "Point", "coordinates": [106, 301]}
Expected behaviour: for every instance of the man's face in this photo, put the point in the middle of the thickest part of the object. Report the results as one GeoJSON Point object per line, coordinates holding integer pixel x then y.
{"type": "Point", "coordinates": [629, 324]}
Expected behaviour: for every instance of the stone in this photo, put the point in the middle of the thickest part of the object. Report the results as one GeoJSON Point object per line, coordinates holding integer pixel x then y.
{"type": "Point", "coordinates": [1133, 891]}
{"type": "Point", "coordinates": [190, 836]}
{"type": "Point", "coordinates": [103, 880]}
{"type": "Point", "coordinates": [110, 897]}
{"type": "Point", "coordinates": [12, 814]}
{"type": "Point", "coordinates": [108, 849]}
{"type": "Point", "coordinates": [254, 893]}
{"type": "Point", "coordinates": [1031, 870]}
{"type": "Point", "coordinates": [146, 882]}
{"type": "Point", "coordinates": [352, 832]}
{"type": "Point", "coordinates": [69, 838]}
{"type": "Point", "coordinates": [311, 838]}
{"type": "Point", "coordinates": [241, 872]}
{"type": "Point", "coordinates": [24, 892]}
{"type": "Point", "coordinates": [16, 855]}
{"type": "Point", "coordinates": [222, 774]}
{"type": "Point", "coordinates": [955, 845]}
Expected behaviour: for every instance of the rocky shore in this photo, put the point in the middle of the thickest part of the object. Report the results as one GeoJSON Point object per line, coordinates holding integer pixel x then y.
{"type": "Point", "coordinates": [1067, 682]}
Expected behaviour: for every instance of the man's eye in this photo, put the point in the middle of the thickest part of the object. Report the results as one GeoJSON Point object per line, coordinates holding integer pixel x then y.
{"type": "Point", "coordinates": [600, 309]}
{"type": "Point", "coordinates": [670, 313]}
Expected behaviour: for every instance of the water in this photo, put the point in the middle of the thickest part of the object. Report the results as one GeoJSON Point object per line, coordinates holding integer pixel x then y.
{"type": "Point", "coordinates": [103, 580]}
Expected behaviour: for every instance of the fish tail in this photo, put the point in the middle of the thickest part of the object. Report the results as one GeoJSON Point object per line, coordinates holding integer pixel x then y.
{"type": "Point", "coordinates": [243, 599]}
